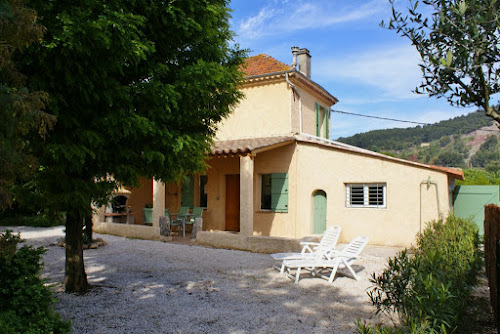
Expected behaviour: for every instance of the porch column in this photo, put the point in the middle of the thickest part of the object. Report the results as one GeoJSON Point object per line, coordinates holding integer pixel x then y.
{"type": "Point", "coordinates": [246, 195]}
{"type": "Point", "coordinates": [158, 202]}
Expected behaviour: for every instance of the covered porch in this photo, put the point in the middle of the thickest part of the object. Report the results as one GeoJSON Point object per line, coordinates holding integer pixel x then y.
{"type": "Point", "coordinates": [230, 194]}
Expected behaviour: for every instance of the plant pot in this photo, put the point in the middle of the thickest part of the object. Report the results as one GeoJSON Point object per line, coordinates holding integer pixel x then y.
{"type": "Point", "coordinates": [148, 216]}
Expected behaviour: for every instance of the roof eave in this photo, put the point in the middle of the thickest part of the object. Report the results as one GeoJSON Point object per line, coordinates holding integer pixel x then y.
{"type": "Point", "coordinates": [300, 77]}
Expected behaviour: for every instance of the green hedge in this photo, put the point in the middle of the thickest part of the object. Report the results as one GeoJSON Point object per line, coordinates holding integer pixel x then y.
{"type": "Point", "coordinates": [428, 286]}
{"type": "Point", "coordinates": [25, 303]}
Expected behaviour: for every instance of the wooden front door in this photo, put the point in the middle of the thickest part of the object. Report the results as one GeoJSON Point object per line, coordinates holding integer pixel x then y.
{"type": "Point", "coordinates": [233, 202]}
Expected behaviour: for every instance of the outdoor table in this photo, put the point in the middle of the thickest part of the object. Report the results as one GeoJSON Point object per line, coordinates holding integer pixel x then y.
{"type": "Point", "coordinates": [182, 217]}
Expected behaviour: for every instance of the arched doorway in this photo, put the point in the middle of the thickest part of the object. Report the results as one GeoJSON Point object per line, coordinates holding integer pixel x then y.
{"type": "Point", "coordinates": [319, 212]}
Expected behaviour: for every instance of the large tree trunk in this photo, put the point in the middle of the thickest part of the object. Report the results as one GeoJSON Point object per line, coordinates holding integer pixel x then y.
{"type": "Point", "coordinates": [75, 278]}
{"type": "Point", "coordinates": [88, 224]}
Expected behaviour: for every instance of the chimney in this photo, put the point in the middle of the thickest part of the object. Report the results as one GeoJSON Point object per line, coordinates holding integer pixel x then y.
{"type": "Point", "coordinates": [295, 52]}
{"type": "Point", "coordinates": [304, 62]}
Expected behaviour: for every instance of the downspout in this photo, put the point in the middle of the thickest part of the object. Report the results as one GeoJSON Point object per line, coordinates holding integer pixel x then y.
{"type": "Point", "coordinates": [428, 183]}
{"type": "Point", "coordinates": [300, 101]}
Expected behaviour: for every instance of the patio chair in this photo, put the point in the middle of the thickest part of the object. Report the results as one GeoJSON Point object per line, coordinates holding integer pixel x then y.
{"type": "Point", "coordinates": [183, 210]}
{"type": "Point", "coordinates": [311, 250]}
{"type": "Point", "coordinates": [334, 260]}
{"type": "Point", "coordinates": [196, 213]}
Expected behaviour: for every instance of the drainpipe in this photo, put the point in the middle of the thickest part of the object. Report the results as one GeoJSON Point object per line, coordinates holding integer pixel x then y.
{"type": "Point", "coordinates": [428, 182]}
{"type": "Point", "coordinates": [300, 101]}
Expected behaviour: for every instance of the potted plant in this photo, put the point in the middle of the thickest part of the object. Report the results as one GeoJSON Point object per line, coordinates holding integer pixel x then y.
{"type": "Point", "coordinates": [148, 214]}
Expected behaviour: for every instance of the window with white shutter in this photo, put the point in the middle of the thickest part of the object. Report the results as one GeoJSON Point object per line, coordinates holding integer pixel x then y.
{"type": "Point", "coordinates": [371, 195]}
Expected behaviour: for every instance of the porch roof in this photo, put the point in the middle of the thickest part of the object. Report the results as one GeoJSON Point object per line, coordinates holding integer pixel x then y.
{"type": "Point", "coordinates": [249, 145]}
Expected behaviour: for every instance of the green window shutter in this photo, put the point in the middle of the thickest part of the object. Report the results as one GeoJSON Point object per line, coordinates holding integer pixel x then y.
{"type": "Point", "coordinates": [279, 192]}
{"type": "Point", "coordinates": [318, 120]}
{"type": "Point", "coordinates": [327, 123]}
{"type": "Point", "coordinates": [187, 191]}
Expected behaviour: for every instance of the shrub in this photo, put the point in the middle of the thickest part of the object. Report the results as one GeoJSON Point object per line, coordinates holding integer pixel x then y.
{"type": "Point", "coordinates": [429, 288]}
{"type": "Point", "coordinates": [25, 303]}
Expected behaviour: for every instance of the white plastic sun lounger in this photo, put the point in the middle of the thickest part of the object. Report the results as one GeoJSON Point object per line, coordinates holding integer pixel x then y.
{"type": "Point", "coordinates": [334, 260]}
{"type": "Point", "coordinates": [312, 250]}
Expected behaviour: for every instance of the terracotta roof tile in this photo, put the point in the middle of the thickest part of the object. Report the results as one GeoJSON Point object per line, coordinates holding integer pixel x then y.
{"type": "Point", "coordinates": [263, 64]}
{"type": "Point", "coordinates": [244, 146]}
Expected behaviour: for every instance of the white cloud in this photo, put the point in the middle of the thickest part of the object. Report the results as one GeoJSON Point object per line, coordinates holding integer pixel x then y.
{"type": "Point", "coordinates": [281, 17]}
{"type": "Point", "coordinates": [391, 73]}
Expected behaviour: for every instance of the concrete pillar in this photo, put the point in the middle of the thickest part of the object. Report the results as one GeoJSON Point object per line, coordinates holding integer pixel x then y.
{"type": "Point", "coordinates": [246, 195]}
{"type": "Point", "coordinates": [158, 202]}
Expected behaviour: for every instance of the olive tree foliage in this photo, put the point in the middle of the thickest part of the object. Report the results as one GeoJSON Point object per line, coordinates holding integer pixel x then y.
{"type": "Point", "coordinates": [459, 46]}
{"type": "Point", "coordinates": [138, 88]}
{"type": "Point", "coordinates": [22, 118]}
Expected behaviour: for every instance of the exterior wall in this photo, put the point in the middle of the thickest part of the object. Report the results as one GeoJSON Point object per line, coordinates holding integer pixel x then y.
{"type": "Point", "coordinates": [172, 196]}
{"type": "Point", "coordinates": [259, 244]}
{"type": "Point", "coordinates": [264, 112]}
{"type": "Point", "coordinates": [309, 99]}
{"type": "Point", "coordinates": [267, 223]}
{"type": "Point", "coordinates": [139, 197]}
{"type": "Point", "coordinates": [131, 231]}
{"type": "Point", "coordinates": [409, 202]}
{"type": "Point", "coordinates": [214, 217]}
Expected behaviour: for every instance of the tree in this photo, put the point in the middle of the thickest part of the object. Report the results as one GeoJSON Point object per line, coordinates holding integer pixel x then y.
{"type": "Point", "coordinates": [459, 47]}
{"type": "Point", "coordinates": [21, 111]}
{"type": "Point", "coordinates": [138, 88]}
{"type": "Point", "coordinates": [493, 166]}
{"type": "Point", "coordinates": [449, 159]}
{"type": "Point", "coordinates": [489, 151]}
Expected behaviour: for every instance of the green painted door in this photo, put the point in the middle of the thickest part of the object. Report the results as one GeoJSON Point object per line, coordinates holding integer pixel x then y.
{"type": "Point", "coordinates": [319, 212]}
{"type": "Point", "coordinates": [469, 202]}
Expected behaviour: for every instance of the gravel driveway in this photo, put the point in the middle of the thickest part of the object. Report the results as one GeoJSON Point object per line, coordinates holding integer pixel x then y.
{"type": "Point", "coordinates": [142, 286]}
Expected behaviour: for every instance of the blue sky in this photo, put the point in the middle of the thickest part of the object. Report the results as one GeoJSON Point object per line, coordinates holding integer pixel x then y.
{"type": "Point", "coordinates": [371, 70]}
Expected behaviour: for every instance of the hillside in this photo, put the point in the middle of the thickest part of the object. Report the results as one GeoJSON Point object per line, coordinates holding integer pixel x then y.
{"type": "Point", "coordinates": [465, 141]}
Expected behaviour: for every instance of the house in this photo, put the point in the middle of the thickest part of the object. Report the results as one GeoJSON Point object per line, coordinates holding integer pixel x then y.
{"type": "Point", "coordinates": [275, 176]}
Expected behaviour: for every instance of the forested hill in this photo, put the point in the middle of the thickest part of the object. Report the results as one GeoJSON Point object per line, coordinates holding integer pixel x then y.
{"type": "Point", "coordinates": [465, 141]}
{"type": "Point", "coordinates": [406, 138]}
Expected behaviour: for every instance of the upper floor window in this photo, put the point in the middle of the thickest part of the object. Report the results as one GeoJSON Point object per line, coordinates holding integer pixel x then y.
{"type": "Point", "coordinates": [371, 195]}
{"type": "Point", "coordinates": [274, 192]}
{"type": "Point", "coordinates": [322, 121]}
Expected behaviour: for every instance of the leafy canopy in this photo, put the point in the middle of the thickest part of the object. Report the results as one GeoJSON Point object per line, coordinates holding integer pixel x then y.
{"type": "Point", "coordinates": [21, 110]}
{"type": "Point", "coordinates": [459, 46]}
{"type": "Point", "coordinates": [138, 88]}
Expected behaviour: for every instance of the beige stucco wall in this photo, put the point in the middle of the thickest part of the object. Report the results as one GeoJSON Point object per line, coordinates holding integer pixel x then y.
{"type": "Point", "coordinates": [263, 112]}
{"type": "Point", "coordinates": [259, 244]}
{"type": "Point", "coordinates": [130, 231]}
{"type": "Point", "coordinates": [396, 225]}
{"type": "Point", "coordinates": [139, 197]}
{"type": "Point", "coordinates": [309, 99]}
{"type": "Point", "coordinates": [410, 201]}
{"type": "Point", "coordinates": [214, 217]}
{"type": "Point", "coordinates": [266, 223]}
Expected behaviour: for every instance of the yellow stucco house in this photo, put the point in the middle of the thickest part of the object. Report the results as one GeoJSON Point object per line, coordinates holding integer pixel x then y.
{"type": "Point", "coordinates": [275, 176]}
